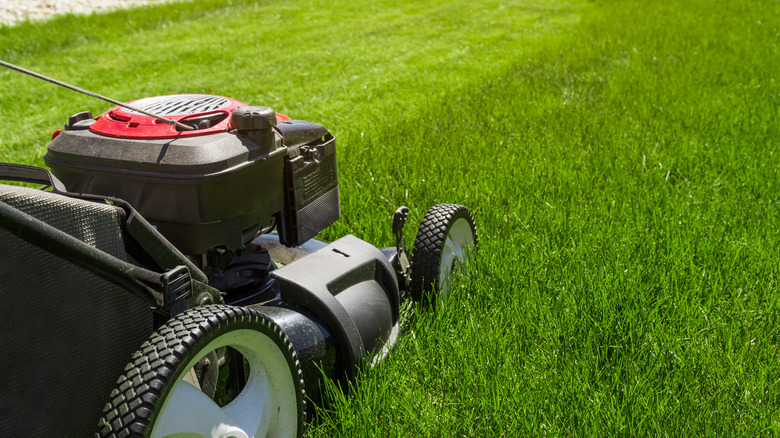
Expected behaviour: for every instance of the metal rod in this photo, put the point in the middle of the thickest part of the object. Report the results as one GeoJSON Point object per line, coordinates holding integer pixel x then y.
{"type": "Point", "coordinates": [96, 96]}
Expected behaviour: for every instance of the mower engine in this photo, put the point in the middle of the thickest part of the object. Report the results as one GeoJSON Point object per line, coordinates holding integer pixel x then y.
{"type": "Point", "coordinates": [239, 172]}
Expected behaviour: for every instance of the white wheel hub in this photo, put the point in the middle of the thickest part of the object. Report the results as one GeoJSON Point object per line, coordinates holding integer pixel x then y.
{"type": "Point", "coordinates": [460, 238]}
{"type": "Point", "coordinates": [265, 407]}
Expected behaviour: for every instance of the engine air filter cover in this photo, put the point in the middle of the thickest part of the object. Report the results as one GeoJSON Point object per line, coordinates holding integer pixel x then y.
{"type": "Point", "coordinates": [207, 113]}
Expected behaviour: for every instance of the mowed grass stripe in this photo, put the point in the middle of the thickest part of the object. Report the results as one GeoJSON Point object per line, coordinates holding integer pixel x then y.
{"type": "Point", "coordinates": [343, 64]}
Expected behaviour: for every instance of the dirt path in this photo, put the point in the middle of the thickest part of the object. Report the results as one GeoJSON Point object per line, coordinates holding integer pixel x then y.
{"type": "Point", "coordinates": [12, 11]}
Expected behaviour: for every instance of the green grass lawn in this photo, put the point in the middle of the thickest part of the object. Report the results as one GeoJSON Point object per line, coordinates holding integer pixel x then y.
{"type": "Point", "coordinates": [621, 159]}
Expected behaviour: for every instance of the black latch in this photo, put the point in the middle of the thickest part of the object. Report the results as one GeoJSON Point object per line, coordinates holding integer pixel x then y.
{"type": "Point", "coordinates": [176, 288]}
{"type": "Point", "coordinates": [80, 120]}
{"type": "Point", "coordinates": [401, 263]}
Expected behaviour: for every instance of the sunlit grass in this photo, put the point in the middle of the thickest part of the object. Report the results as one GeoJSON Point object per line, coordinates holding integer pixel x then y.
{"type": "Point", "coordinates": [620, 158]}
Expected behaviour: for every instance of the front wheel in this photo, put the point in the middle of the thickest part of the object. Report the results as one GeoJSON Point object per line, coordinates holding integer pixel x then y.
{"type": "Point", "coordinates": [256, 389]}
{"type": "Point", "coordinates": [447, 235]}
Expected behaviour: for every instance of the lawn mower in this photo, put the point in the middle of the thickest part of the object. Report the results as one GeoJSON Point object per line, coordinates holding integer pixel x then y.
{"type": "Point", "coordinates": [165, 280]}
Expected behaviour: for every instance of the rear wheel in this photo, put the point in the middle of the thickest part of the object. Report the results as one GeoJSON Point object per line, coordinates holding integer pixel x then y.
{"type": "Point", "coordinates": [447, 235]}
{"type": "Point", "coordinates": [214, 371]}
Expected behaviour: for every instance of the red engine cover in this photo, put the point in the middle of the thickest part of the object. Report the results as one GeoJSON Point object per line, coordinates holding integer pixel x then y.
{"type": "Point", "coordinates": [193, 108]}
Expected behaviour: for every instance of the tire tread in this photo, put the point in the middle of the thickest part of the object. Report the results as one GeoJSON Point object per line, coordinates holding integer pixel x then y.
{"type": "Point", "coordinates": [135, 400]}
{"type": "Point", "coordinates": [428, 245]}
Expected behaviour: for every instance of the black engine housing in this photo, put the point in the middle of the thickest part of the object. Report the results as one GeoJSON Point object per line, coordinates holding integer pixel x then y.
{"type": "Point", "coordinates": [220, 189]}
